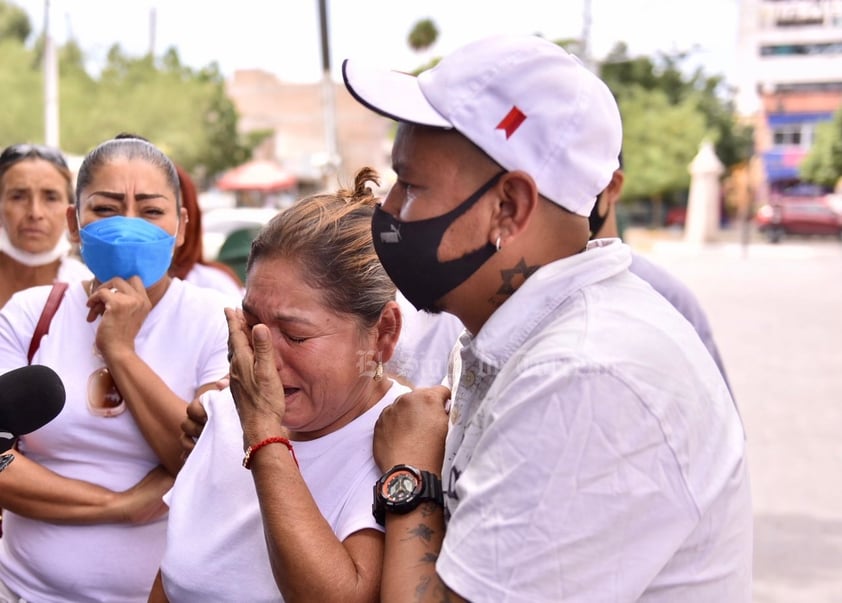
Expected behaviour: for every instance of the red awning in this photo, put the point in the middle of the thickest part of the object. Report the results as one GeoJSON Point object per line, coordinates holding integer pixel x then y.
{"type": "Point", "coordinates": [257, 175]}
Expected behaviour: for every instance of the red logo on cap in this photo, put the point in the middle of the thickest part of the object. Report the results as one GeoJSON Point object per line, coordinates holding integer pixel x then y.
{"type": "Point", "coordinates": [511, 122]}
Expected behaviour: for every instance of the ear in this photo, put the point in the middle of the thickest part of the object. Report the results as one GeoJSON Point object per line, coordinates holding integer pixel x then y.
{"type": "Point", "coordinates": [612, 192]}
{"type": "Point", "coordinates": [72, 225]}
{"type": "Point", "coordinates": [388, 329]}
{"type": "Point", "coordinates": [515, 207]}
{"type": "Point", "coordinates": [182, 227]}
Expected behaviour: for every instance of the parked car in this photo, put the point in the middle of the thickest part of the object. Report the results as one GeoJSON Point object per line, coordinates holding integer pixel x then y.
{"type": "Point", "coordinates": [814, 215]}
{"type": "Point", "coordinates": [676, 216]}
{"type": "Point", "coordinates": [218, 224]}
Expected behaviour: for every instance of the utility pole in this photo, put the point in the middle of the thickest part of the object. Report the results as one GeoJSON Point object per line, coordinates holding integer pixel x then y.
{"type": "Point", "coordinates": [51, 129]}
{"type": "Point", "coordinates": [153, 26]}
{"type": "Point", "coordinates": [328, 97]}
{"type": "Point", "coordinates": [585, 44]}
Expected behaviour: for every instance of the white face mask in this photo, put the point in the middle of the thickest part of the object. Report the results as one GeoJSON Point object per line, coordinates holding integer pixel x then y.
{"type": "Point", "coordinates": [61, 250]}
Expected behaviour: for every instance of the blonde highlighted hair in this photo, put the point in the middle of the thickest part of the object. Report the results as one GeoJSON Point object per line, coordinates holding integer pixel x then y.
{"type": "Point", "coordinates": [329, 236]}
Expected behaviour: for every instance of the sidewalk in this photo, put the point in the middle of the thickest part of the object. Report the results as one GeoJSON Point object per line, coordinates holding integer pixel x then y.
{"type": "Point", "coordinates": [776, 313]}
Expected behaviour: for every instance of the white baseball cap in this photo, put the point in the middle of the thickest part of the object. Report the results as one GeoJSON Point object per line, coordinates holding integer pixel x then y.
{"type": "Point", "coordinates": [525, 101]}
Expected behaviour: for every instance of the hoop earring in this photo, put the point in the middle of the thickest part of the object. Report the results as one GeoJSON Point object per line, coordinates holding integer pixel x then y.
{"type": "Point", "coordinates": [497, 244]}
{"type": "Point", "coordinates": [378, 371]}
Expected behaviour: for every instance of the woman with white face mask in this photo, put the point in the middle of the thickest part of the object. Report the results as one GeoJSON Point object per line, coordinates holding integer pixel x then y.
{"type": "Point", "coordinates": [36, 188]}
{"type": "Point", "coordinates": [83, 516]}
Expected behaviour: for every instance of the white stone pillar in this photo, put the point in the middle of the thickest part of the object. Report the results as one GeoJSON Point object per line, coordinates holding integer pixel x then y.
{"type": "Point", "coordinates": [702, 222]}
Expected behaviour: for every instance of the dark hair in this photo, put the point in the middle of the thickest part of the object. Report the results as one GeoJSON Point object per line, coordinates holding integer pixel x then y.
{"type": "Point", "coordinates": [190, 252]}
{"type": "Point", "coordinates": [329, 235]}
{"type": "Point", "coordinates": [16, 153]}
{"type": "Point", "coordinates": [127, 146]}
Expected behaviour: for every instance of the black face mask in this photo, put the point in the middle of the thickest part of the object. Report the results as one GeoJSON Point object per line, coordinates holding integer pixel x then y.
{"type": "Point", "coordinates": [595, 220]}
{"type": "Point", "coordinates": [409, 253]}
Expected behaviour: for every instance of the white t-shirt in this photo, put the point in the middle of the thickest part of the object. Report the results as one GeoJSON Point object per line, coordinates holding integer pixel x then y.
{"type": "Point", "coordinates": [594, 452]}
{"type": "Point", "coordinates": [424, 345]}
{"type": "Point", "coordinates": [214, 278]}
{"type": "Point", "coordinates": [682, 299]}
{"type": "Point", "coordinates": [216, 547]}
{"type": "Point", "coordinates": [71, 270]}
{"type": "Point", "coordinates": [184, 340]}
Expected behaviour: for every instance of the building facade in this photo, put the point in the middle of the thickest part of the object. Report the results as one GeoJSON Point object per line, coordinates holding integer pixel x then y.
{"type": "Point", "coordinates": [789, 73]}
{"type": "Point", "coordinates": [300, 140]}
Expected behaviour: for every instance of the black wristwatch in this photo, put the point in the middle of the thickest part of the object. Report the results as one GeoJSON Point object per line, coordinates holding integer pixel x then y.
{"type": "Point", "coordinates": [402, 488]}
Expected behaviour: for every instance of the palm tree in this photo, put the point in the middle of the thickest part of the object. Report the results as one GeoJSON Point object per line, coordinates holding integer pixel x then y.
{"type": "Point", "coordinates": [423, 35]}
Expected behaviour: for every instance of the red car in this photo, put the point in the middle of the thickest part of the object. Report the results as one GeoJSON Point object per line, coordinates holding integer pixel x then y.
{"type": "Point", "coordinates": [799, 216]}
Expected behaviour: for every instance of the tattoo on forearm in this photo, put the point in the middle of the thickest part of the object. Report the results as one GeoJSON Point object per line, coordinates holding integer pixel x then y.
{"type": "Point", "coordinates": [440, 590]}
{"type": "Point", "coordinates": [429, 508]}
{"type": "Point", "coordinates": [429, 558]}
{"type": "Point", "coordinates": [422, 531]}
{"type": "Point", "coordinates": [422, 588]}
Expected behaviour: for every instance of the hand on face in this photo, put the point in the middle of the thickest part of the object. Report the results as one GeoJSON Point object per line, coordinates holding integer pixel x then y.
{"type": "Point", "coordinates": [123, 305]}
{"type": "Point", "coordinates": [412, 430]}
{"type": "Point", "coordinates": [255, 384]}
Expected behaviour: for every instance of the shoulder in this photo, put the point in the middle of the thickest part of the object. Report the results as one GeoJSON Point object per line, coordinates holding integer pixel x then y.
{"type": "Point", "coordinates": [27, 300]}
{"type": "Point", "coordinates": [213, 278]}
{"type": "Point", "coordinates": [72, 270]}
{"type": "Point", "coordinates": [202, 298]}
{"type": "Point", "coordinates": [670, 287]}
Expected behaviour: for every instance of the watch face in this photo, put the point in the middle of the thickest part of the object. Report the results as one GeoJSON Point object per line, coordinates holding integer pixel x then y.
{"type": "Point", "coordinates": [399, 486]}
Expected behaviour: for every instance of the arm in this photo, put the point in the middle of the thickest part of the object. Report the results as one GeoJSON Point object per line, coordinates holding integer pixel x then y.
{"type": "Point", "coordinates": [412, 431]}
{"type": "Point", "coordinates": [157, 594]}
{"type": "Point", "coordinates": [156, 409]}
{"type": "Point", "coordinates": [301, 544]}
{"type": "Point", "coordinates": [33, 491]}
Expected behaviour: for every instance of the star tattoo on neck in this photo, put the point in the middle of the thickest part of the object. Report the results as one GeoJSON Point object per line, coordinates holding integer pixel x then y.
{"type": "Point", "coordinates": [513, 278]}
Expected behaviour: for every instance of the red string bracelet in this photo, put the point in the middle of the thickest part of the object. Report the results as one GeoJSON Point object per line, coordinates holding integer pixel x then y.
{"type": "Point", "coordinates": [273, 440]}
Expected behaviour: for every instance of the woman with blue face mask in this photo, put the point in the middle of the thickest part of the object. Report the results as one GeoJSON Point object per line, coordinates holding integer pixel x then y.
{"type": "Point", "coordinates": [83, 517]}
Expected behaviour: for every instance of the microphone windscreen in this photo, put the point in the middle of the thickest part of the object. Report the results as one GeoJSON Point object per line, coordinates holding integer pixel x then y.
{"type": "Point", "coordinates": [30, 397]}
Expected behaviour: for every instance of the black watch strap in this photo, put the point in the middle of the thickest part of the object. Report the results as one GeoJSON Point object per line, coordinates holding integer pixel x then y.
{"type": "Point", "coordinates": [430, 490]}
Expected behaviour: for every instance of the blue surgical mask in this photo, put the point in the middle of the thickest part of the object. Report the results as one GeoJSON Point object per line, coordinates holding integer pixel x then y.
{"type": "Point", "coordinates": [125, 247]}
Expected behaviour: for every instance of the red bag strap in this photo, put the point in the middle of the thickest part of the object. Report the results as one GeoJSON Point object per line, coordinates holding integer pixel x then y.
{"type": "Point", "coordinates": [43, 326]}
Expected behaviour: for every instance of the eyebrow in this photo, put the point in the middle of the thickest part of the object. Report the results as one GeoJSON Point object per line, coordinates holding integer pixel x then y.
{"type": "Point", "coordinates": [122, 196]}
{"type": "Point", "coordinates": [279, 317]}
{"type": "Point", "coordinates": [26, 189]}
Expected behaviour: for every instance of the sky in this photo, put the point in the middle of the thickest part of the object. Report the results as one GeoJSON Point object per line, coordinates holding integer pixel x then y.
{"type": "Point", "coordinates": [282, 36]}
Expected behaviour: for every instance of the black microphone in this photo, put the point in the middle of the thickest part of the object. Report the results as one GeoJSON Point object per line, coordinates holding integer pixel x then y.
{"type": "Point", "coordinates": [30, 397]}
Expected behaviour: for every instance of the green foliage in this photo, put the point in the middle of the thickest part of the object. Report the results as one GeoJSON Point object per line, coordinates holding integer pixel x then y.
{"type": "Point", "coordinates": [22, 117]}
{"type": "Point", "coordinates": [733, 141]}
{"type": "Point", "coordinates": [14, 23]}
{"type": "Point", "coordinates": [184, 111]}
{"type": "Point", "coordinates": [823, 165]}
{"type": "Point", "coordinates": [423, 35]}
{"type": "Point", "coordinates": [666, 115]}
{"type": "Point", "coordinates": [660, 140]}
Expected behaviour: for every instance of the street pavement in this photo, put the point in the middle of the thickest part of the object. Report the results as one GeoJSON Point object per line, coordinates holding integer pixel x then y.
{"type": "Point", "coordinates": [776, 313]}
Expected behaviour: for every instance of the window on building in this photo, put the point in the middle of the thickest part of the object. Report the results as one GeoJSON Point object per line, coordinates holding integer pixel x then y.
{"type": "Point", "coordinates": [797, 135]}
{"type": "Point", "coordinates": [825, 48]}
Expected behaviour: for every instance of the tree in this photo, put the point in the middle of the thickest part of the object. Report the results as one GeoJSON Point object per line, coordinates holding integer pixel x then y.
{"type": "Point", "coordinates": [660, 139]}
{"type": "Point", "coordinates": [14, 22]}
{"type": "Point", "coordinates": [823, 165]}
{"type": "Point", "coordinates": [733, 141]}
{"type": "Point", "coordinates": [423, 35]}
{"type": "Point", "coordinates": [667, 112]}
{"type": "Point", "coordinates": [184, 111]}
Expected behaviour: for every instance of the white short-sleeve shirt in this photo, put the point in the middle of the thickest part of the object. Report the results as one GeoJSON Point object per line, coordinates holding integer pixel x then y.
{"type": "Point", "coordinates": [594, 452]}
